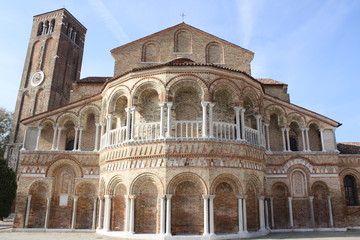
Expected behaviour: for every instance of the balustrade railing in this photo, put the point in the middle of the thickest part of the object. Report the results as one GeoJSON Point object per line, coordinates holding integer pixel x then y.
{"type": "Point", "coordinates": [144, 132]}
{"type": "Point", "coordinates": [187, 129]}
{"type": "Point", "coordinates": [251, 135]}
{"type": "Point", "coordinates": [224, 131]}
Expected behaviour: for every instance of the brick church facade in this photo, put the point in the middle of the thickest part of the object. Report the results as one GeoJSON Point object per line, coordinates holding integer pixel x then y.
{"type": "Point", "coordinates": [182, 140]}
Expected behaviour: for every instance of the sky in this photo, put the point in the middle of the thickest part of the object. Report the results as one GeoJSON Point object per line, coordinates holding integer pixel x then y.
{"type": "Point", "coordinates": [313, 46]}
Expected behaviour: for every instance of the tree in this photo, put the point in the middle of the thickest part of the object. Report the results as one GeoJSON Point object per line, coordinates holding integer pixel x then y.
{"type": "Point", "coordinates": [8, 188]}
{"type": "Point", "coordinates": [5, 128]}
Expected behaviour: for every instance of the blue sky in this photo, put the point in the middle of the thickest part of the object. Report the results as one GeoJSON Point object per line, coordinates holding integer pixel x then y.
{"type": "Point", "coordinates": [313, 46]}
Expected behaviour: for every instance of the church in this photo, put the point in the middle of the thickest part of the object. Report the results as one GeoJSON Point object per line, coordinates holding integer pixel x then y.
{"type": "Point", "coordinates": [182, 141]}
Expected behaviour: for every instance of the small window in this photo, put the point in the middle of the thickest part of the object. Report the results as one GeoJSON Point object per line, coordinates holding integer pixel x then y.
{"type": "Point", "coordinates": [69, 145]}
{"type": "Point", "coordinates": [293, 144]}
{"type": "Point", "coordinates": [350, 191]}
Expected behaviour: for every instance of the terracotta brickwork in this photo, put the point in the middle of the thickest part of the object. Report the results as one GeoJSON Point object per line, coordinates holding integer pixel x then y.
{"type": "Point", "coordinates": [182, 140]}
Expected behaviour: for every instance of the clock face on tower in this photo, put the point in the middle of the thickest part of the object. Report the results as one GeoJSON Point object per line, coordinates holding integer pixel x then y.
{"type": "Point", "coordinates": [37, 78]}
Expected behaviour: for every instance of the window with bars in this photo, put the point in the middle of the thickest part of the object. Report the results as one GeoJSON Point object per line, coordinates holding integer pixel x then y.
{"type": "Point", "coordinates": [350, 191]}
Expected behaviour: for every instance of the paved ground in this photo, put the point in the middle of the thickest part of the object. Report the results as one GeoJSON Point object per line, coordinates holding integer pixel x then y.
{"type": "Point", "coordinates": [7, 234]}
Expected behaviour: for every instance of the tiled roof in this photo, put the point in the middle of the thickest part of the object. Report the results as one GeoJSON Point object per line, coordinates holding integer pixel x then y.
{"type": "Point", "coordinates": [269, 81]}
{"type": "Point", "coordinates": [93, 80]}
{"type": "Point", "coordinates": [349, 147]}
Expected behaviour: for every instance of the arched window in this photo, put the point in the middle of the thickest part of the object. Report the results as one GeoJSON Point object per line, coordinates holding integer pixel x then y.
{"type": "Point", "coordinates": [182, 42]}
{"type": "Point", "coordinates": [40, 28]}
{"type": "Point", "coordinates": [214, 53]}
{"type": "Point", "coordinates": [52, 25]}
{"type": "Point", "coordinates": [150, 52]}
{"type": "Point", "coordinates": [350, 191]}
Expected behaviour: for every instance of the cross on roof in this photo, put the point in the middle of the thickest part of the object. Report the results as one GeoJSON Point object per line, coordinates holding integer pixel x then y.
{"type": "Point", "coordinates": [182, 16]}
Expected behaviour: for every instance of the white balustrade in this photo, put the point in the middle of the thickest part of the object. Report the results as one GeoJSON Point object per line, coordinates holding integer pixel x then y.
{"type": "Point", "coordinates": [187, 129]}
{"type": "Point", "coordinates": [251, 135]}
{"type": "Point", "coordinates": [147, 131]}
{"type": "Point", "coordinates": [224, 130]}
{"type": "Point", "coordinates": [117, 136]}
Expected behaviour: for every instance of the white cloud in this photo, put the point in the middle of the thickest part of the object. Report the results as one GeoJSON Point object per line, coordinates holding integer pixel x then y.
{"type": "Point", "coordinates": [248, 11]}
{"type": "Point", "coordinates": [109, 20]}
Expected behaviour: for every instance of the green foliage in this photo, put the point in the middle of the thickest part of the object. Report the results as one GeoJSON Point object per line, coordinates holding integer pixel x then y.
{"type": "Point", "coordinates": [5, 128]}
{"type": "Point", "coordinates": [8, 188]}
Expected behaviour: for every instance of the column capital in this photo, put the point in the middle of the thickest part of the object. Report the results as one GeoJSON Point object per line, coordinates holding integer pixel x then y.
{"type": "Point", "coordinates": [97, 124]}
{"type": "Point", "coordinates": [240, 196]}
{"type": "Point", "coordinates": [132, 108]}
{"type": "Point", "coordinates": [329, 197]}
{"type": "Point", "coordinates": [237, 108]}
{"type": "Point", "coordinates": [266, 124]}
{"type": "Point", "coordinates": [212, 104]}
{"type": "Point", "coordinates": [132, 196]}
{"type": "Point", "coordinates": [40, 127]}
{"type": "Point", "coordinates": [204, 104]}
{"type": "Point", "coordinates": [162, 196]}
{"type": "Point", "coordinates": [258, 116]}
{"type": "Point", "coordinates": [212, 197]}
{"type": "Point", "coordinates": [321, 129]}
{"type": "Point", "coordinates": [168, 196]}
{"type": "Point", "coordinates": [127, 109]}
{"type": "Point", "coordinates": [162, 104]}
{"type": "Point", "coordinates": [287, 129]}
{"type": "Point", "coordinates": [29, 197]}
{"type": "Point", "coordinates": [75, 198]}
{"type": "Point", "coordinates": [109, 116]}
{"type": "Point", "coordinates": [95, 198]}
{"type": "Point", "coordinates": [206, 196]}
{"type": "Point", "coordinates": [108, 196]}
{"type": "Point", "coordinates": [81, 128]}
{"type": "Point", "coordinates": [260, 197]}
{"type": "Point", "coordinates": [290, 198]}
{"type": "Point", "coordinates": [270, 198]}
{"type": "Point", "coordinates": [282, 129]}
{"type": "Point", "coordinates": [169, 104]}
{"type": "Point", "coordinates": [311, 198]}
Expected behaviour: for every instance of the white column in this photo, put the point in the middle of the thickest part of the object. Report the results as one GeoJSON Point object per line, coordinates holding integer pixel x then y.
{"type": "Point", "coordinates": [258, 127]}
{"type": "Point", "coordinates": [38, 138]}
{"type": "Point", "coordinates": [245, 214]}
{"type": "Point", "coordinates": [204, 119]}
{"type": "Point", "coordinates": [311, 201]}
{"type": "Point", "coordinates": [127, 216]}
{"type": "Point", "coordinates": [47, 214]}
{"type": "Point", "coordinates": [58, 137]}
{"type": "Point", "coordinates": [28, 204]}
{"type": "Point", "coordinates": [54, 138]}
{"type": "Point", "coordinates": [240, 215]}
{"type": "Point", "coordinates": [242, 111]}
{"type": "Point", "coordinates": [73, 219]}
{"type": "Point", "coordinates": [283, 139]}
{"type": "Point", "coordinates": [76, 138]}
{"type": "Point", "coordinates": [128, 116]}
{"type": "Point", "coordinates": [211, 124]}
{"type": "Point", "coordinates": [107, 212]}
{"type": "Point", "coordinates": [267, 136]}
{"type": "Point", "coordinates": [237, 122]}
{"type": "Point", "coordinates": [162, 129]}
{"type": "Point", "coordinates": [162, 214]}
{"type": "Point", "coordinates": [97, 125]}
{"type": "Point", "coordinates": [261, 212]}
{"type": "Point", "coordinates": [132, 122]}
{"type": "Point", "coordinates": [24, 140]}
{"type": "Point", "coordinates": [168, 214]}
{"type": "Point", "coordinates": [101, 208]}
{"type": "Point", "coordinates": [94, 214]}
{"type": "Point", "coordinates": [288, 139]}
{"type": "Point", "coordinates": [132, 214]}
{"type": "Point", "coordinates": [322, 139]}
{"type": "Point", "coordinates": [303, 138]}
{"type": "Point", "coordinates": [267, 225]}
{"type": "Point", "coordinates": [108, 128]}
{"type": "Point", "coordinates": [331, 218]}
{"type": "Point", "coordinates": [80, 138]}
{"type": "Point", "coordinates": [290, 212]}
{"type": "Point", "coordinates": [211, 210]}
{"type": "Point", "coordinates": [102, 126]}
{"type": "Point", "coordinates": [169, 105]}
{"type": "Point", "coordinates": [206, 214]}
{"type": "Point", "coordinates": [307, 139]}
{"type": "Point", "coordinates": [272, 212]}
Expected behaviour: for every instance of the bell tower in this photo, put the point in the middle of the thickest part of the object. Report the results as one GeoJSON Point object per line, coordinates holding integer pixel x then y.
{"type": "Point", "coordinates": [53, 62]}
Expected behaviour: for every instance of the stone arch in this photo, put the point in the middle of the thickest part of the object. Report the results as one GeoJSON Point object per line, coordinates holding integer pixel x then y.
{"type": "Point", "coordinates": [39, 193]}
{"type": "Point", "coordinates": [85, 191]}
{"type": "Point", "coordinates": [314, 136]}
{"type": "Point", "coordinates": [214, 53]}
{"type": "Point", "coordinates": [115, 95]}
{"type": "Point", "coordinates": [151, 52]}
{"type": "Point", "coordinates": [187, 203]}
{"type": "Point", "coordinates": [226, 189]}
{"type": "Point", "coordinates": [228, 84]}
{"type": "Point", "coordinates": [174, 84]}
{"type": "Point", "coordinates": [70, 161]}
{"type": "Point", "coordinates": [67, 116]}
{"type": "Point", "coordinates": [253, 189]}
{"type": "Point", "coordinates": [89, 116]}
{"type": "Point", "coordinates": [47, 134]}
{"type": "Point", "coordinates": [118, 190]}
{"type": "Point", "coordinates": [183, 41]}
{"type": "Point", "coordinates": [146, 188]}
{"type": "Point", "coordinates": [296, 117]}
{"type": "Point", "coordinates": [278, 110]}
{"type": "Point", "coordinates": [250, 93]}
{"type": "Point", "coordinates": [280, 194]}
{"type": "Point", "coordinates": [320, 192]}
{"type": "Point", "coordinates": [89, 109]}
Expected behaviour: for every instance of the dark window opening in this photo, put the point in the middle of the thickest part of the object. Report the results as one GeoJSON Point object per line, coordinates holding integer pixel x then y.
{"type": "Point", "coordinates": [350, 191]}
{"type": "Point", "coordinates": [293, 144]}
{"type": "Point", "coordinates": [69, 145]}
